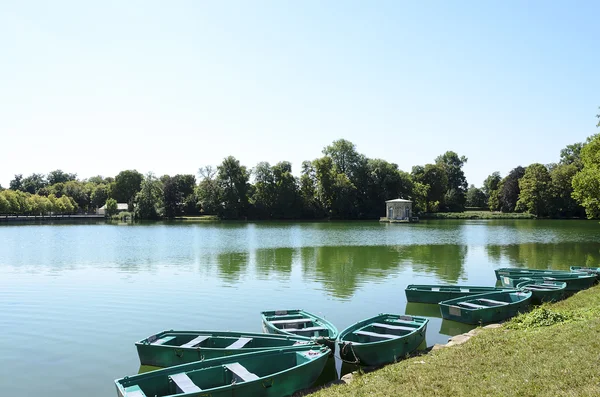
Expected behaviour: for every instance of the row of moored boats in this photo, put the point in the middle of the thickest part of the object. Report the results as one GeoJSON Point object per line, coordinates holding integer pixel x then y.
{"type": "Point", "coordinates": [288, 357]}
{"type": "Point", "coordinates": [519, 289]}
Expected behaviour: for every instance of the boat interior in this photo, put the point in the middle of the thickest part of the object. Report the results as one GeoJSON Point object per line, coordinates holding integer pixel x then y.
{"type": "Point", "coordinates": [383, 329]}
{"type": "Point", "coordinates": [485, 303]}
{"type": "Point", "coordinates": [198, 377]}
{"type": "Point", "coordinates": [298, 323]}
{"type": "Point", "coordinates": [208, 341]}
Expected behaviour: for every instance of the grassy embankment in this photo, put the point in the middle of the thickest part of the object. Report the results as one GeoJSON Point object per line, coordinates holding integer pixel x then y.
{"type": "Point", "coordinates": [476, 215]}
{"type": "Point", "coordinates": [553, 350]}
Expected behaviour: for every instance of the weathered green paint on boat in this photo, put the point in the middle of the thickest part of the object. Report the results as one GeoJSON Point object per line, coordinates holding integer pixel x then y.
{"type": "Point", "coordinates": [517, 272]}
{"type": "Point", "coordinates": [383, 339]}
{"type": "Point", "coordinates": [486, 308]}
{"type": "Point", "coordinates": [589, 270]}
{"type": "Point", "coordinates": [269, 373]}
{"type": "Point", "coordinates": [575, 281]}
{"type": "Point", "coordinates": [298, 322]}
{"type": "Point", "coordinates": [543, 290]}
{"type": "Point", "coordinates": [438, 293]}
{"type": "Point", "coordinates": [169, 348]}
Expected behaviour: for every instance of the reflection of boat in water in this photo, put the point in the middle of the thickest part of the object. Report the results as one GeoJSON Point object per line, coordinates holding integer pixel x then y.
{"type": "Point", "coordinates": [423, 309]}
{"type": "Point", "coordinates": [453, 328]}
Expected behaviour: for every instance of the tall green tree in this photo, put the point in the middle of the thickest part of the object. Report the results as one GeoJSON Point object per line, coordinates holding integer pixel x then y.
{"type": "Point", "coordinates": [209, 192]}
{"type": "Point", "coordinates": [491, 183]}
{"type": "Point", "coordinates": [434, 176]}
{"type": "Point", "coordinates": [33, 183]}
{"type": "Point", "coordinates": [16, 183]}
{"type": "Point", "coordinates": [509, 189]}
{"type": "Point", "coordinates": [475, 197]}
{"type": "Point", "coordinates": [127, 184]}
{"type": "Point", "coordinates": [111, 207]}
{"type": "Point", "coordinates": [563, 204]}
{"type": "Point", "coordinates": [586, 183]}
{"type": "Point", "coordinates": [455, 196]}
{"type": "Point", "coordinates": [233, 179]}
{"type": "Point", "coordinates": [148, 201]}
{"type": "Point", "coordinates": [311, 206]}
{"type": "Point", "coordinates": [344, 156]}
{"type": "Point", "coordinates": [385, 182]}
{"type": "Point", "coordinates": [535, 190]}
{"type": "Point", "coordinates": [4, 204]}
{"type": "Point", "coordinates": [58, 176]}
{"type": "Point", "coordinates": [99, 196]}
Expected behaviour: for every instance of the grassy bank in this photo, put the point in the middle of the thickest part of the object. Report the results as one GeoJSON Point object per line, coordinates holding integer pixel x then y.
{"type": "Point", "coordinates": [198, 218]}
{"type": "Point", "coordinates": [527, 357]}
{"type": "Point", "coordinates": [476, 215]}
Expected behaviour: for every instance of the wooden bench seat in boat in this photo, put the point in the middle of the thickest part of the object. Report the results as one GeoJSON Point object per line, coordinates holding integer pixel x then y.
{"type": "Point", "coordinates": [238, 344]}
{"type": "Point", "coordinates": [493, 301]}
{"type": "Point", "coordinates": [196, 341]}
{"type": "Point", "coordinates": [390, 326]}
{"type": "Point", "coordinates": [184, 383]}
{"type": "Point", "coordinates": [376, 335]}
{"type": "Point", "coordinates": [309, 329]}
{"type": "Point", "coordinates": [293, 321]}
{"type": "Point", "coordinates": [472, 305]}
{"type": "Point", "coordinates": [164, 340]}
{"type": "Point", "coordinates": [240, 372]}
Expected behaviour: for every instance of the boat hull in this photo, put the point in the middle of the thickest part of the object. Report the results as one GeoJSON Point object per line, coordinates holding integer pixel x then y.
{"type": "Point", "coordinates": [516, 272]}
{"type": "Point", "coordinates": [553, 292]}
{"type": "Point", "coordinates": [589, 270]}
{"type": "Point", "coordinates": [452, 309]}
{"type": "Point", "coordinates": [173, 353]}
{"type": "Point", "coordinates": [437, 293]}
{"type": "Point", "coordinates": [212, 379]}
{"type": "Point", "coordinates": [383, 351]}
{"type": "Point", "coordinates": [575, 282]}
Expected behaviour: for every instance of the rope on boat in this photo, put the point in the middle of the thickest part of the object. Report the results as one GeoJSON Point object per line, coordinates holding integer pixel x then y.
{"type": "Point", "coordinates": [343, 353]}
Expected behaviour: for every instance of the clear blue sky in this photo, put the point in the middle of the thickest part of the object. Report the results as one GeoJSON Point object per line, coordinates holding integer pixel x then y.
{"type": "Point", "coordinates": [99, 87]}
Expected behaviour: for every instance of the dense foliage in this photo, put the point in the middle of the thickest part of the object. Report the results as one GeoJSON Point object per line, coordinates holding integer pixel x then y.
{"type": "Point", "coordinates": [341, 184]}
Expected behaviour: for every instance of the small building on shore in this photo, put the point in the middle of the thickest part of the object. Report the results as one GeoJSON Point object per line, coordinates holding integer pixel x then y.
{"type": "Point", "coordinates": [398, 210]}
{"type": "Point", "coordinates": [121, 207]}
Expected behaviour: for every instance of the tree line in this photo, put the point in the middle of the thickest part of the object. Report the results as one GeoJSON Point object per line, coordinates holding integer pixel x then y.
{"type": "Point", "coordinates": [341, 184]}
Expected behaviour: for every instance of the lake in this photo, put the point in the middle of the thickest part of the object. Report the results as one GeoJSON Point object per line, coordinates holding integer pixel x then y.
{"type": "Point", "coordinates": [75, 297]}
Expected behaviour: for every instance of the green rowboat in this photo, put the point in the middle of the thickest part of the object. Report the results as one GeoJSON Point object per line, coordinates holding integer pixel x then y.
{"type": "Point", "coordinates": [516, 272]}
{"type": "Point", "coordinates": [438, 293]}
{"type": "Point", "coordinates": [543, 290]}
{"type": "Point", "coordinates": [169, 348]}
{"type": "Point", "coordinates": [575, 281]}
{"type": "Point", "coordinates": [486, 308]}
{"type": "Point", "coordinates": [267, 373]}
{"type": "Point", "coordinates": [590, 270]}
{"type": "Point", "coordinates": [382, 339]}
{"type": "Point", "coordinates": [300, 323]}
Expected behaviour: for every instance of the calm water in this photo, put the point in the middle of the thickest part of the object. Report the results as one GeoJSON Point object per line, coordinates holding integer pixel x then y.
{"type": "Point", "coordinates": [74, 298]}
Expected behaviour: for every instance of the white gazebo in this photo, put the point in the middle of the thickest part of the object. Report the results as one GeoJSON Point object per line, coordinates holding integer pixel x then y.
{"type": "Point", "coordinates": [398, 210]}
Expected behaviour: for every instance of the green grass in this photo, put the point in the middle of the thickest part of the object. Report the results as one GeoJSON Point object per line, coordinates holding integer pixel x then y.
{"type": "Point", "coordinates": [523, 358]}
{"type": "Point", "coordinates": [476, 215]}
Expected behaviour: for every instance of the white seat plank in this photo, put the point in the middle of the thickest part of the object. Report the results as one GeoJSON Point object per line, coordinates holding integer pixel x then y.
{"type": "Point", "coordinates": [238, 344]}
{"type": "Point", "coordinates": [376, 335]}
{"type": "Point", "coordinates": [390, 326]}
{"type": "Point", "coordinates": [163, 340]}
{"type": "Point", "coordinates": [196, 341]}
{"type": "Point", "coordinates": [472, 305]}
{"type": "Point", "coordinates": [293, 321]}
{"type": "Point", "coordinates": [493, 301]}
{"type": "Point", "coordinates": [309, 329]}
{"type": "Point", "coordinates": [241, 372]}
{"type": "Point", "coordinates": [184, 383]}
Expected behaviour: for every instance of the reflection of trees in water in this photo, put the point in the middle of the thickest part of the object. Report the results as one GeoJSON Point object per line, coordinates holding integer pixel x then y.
{"type": "Point", "coordinates": [444, 260]}
{"type": "Point", "coordinates": [342, 269]}
{"type": "Point", "coordinates": [231, 264]}
{"type": "Point", "coordinates": [277, 260]}
{"type": "Point", "coordinates": [546, 255]}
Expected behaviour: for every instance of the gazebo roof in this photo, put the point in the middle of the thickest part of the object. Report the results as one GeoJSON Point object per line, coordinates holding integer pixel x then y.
{"type": "Point", "coordinates": [398, 200]}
